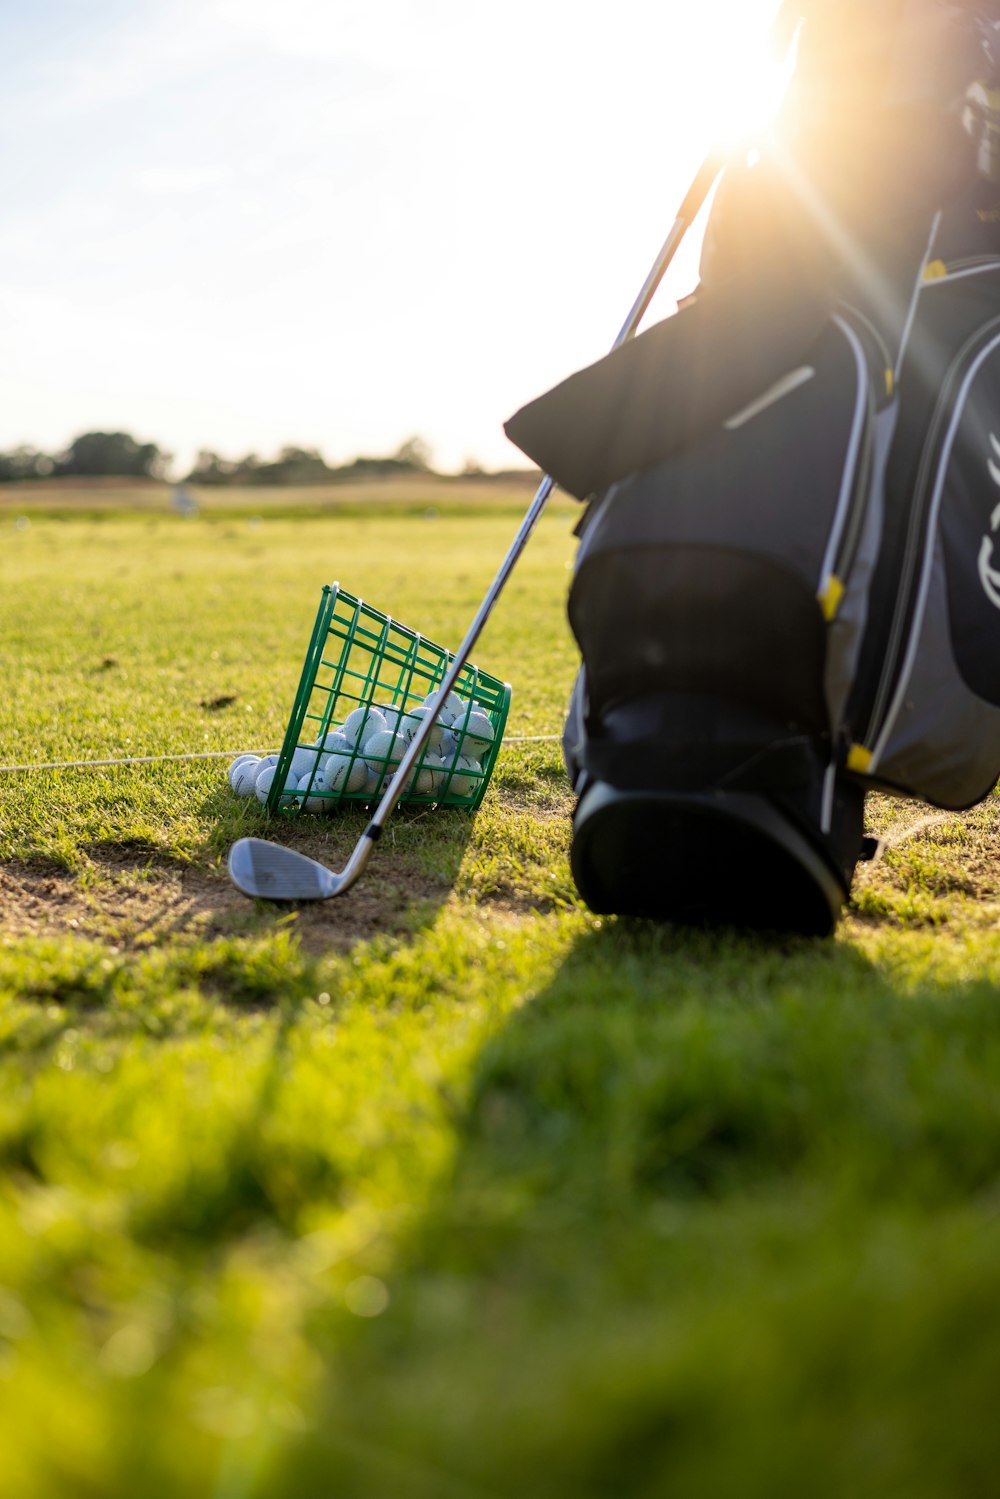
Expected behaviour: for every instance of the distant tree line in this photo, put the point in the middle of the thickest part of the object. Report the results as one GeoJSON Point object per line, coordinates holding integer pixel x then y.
{"type": "Point", "coordinates": [118, 455]}
{"type": "Point", "coordinates": [92, 455]}
{"type": "Point", "coordinates": [307, 466]}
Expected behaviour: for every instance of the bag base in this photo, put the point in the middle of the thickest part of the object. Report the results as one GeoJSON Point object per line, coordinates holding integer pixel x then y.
{"type": "Point", "coordinates": [709, 858]}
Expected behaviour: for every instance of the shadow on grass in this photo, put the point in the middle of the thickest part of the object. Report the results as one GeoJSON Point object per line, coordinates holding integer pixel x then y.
{"type": "Point", "coordinates": [253, 1180]}
{"type": "Point", "coordinates": [719, 1221]}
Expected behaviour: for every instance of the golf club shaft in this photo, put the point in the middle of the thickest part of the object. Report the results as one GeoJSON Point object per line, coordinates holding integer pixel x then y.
{"type": "Point", "coordinates": [695, 197]}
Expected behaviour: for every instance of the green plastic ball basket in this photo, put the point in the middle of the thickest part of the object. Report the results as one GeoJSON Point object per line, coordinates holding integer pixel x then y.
{"type": "Point", "coordinates": [362, 659]}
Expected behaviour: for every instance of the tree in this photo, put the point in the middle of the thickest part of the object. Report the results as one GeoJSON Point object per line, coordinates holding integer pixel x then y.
{"type": "Point", "coordinates": [414, 453]}
{"type": "Point", "coordinates": [209, 468]}
{"type": "Point", "coordinates": [104, 454]}
{"type": "Point", "coordinates": [24, 463]}
{"type": "Point", "coordinates": [297, 466]}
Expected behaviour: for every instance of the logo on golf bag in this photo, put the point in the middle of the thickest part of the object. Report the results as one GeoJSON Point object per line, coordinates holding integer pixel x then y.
{"type": "Point", "coordinates": [989, 576]}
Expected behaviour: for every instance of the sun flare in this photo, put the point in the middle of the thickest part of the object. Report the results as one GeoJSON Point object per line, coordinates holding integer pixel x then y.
{"type": "Point", "coordinates": [744, 76]}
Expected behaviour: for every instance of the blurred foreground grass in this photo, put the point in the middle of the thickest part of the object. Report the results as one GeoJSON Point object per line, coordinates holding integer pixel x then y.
{"type": "Point", "coordinates": [449, 1188]}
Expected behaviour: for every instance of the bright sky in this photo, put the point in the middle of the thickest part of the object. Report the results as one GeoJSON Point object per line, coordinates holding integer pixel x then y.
{"type": "Point", "coordinates": [237, 224]}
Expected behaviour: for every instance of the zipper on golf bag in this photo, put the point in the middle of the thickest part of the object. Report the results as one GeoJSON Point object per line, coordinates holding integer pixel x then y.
{"type": "Point", "coordinates": [936, 388]}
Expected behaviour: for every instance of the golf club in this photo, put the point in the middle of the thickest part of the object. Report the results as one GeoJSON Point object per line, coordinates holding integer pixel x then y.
{"type": "Point", "coordinates": [269, 871]}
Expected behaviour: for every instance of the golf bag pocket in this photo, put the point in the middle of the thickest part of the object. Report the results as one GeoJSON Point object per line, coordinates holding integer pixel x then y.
{"type": "Point", "coordinates": [738, 571]}
{"type": "Point", "coordinates": [930, 687]}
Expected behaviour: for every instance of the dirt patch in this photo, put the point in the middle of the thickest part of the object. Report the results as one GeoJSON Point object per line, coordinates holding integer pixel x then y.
{"type": "Point", "coordinates": [133, 902]}
{"type": "Point", "coordinates": [36, 901]}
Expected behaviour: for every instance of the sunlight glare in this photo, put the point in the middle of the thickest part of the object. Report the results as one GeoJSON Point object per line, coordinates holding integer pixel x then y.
{"type": "Point", "coordinates": [750, 81]}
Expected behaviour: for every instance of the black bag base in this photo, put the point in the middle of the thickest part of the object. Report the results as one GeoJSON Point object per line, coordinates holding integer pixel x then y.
{"type": "Point", "coordinates": [701, 858]}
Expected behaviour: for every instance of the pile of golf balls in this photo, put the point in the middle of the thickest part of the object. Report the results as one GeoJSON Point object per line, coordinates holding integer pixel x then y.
{"type": "Point", "coordinates": [361, 756]}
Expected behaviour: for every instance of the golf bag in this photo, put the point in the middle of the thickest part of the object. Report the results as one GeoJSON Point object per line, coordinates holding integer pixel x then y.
{"type": "Point", "coordinates": [796, 604]}
{"type": "Point", "coordinates": [719, 602]}
{"type": "Point", "coordinates": [786, 590]}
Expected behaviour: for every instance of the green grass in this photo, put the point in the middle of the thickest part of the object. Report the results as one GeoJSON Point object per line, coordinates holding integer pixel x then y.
{"type": "Point", "coordinates": [448, 1187]}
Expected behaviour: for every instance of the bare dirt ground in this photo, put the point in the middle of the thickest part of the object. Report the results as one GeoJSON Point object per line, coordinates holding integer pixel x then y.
{"type": "Point", "coordinates": [130, 901]}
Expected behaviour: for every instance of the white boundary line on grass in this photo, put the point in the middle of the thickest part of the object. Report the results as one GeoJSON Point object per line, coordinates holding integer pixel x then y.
{"type": "Point", "coordinates": [208, 755]}
{"type": "Point", "coordinates": [904, 835]}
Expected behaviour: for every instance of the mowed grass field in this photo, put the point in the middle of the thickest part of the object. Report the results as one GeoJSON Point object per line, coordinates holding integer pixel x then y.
{"type": "Point", "coordinates": [449, 1188]}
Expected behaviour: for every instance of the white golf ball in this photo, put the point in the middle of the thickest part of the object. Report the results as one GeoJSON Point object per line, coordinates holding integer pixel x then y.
{"type": "Point", "coordinates": [333, 741]}
{"type": "Point", "coordinates": [435, 767]}
{"type": "Point", "coordinates": [383, 753]}
{"type": "Point", "coordinates": [421, 780]}
{"type": "Point", "coordinates": [307, 787]}
{"type": "Point", "coordinates": [391, 714]}
{"type": "Point", "coordinates": [446, 712]}
{"type": "Point", "coordinates": [264, 782]}
{"type": "Point", "coordinates": [305, 758]}
{"type": "Point", "coordinates": [448, 748]}
{"type": "Point", "coordinates": [411, 721]}
{"type": "Point", "coordinates": [362, 723]}
{"type": "Point", "coordinates": [244, 778]}
{"type": "Point", "coordinates": [464, 781]}
{"type": "Point", "coordinates": [476, 737]}
{"type": "Point", "coordinates": [344, 774]}
{"type": "Point", "coordinates": [384, 746]}
{"type": "Point", "coordinates": [240, 760]}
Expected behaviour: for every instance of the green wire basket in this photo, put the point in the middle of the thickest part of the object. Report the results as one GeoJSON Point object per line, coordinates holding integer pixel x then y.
{"type": "Point", "coordinates": [363, 666]}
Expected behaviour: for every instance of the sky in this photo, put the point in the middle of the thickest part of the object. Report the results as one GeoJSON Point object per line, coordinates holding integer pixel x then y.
{"type": "Point", "coordinates": [241, 224]}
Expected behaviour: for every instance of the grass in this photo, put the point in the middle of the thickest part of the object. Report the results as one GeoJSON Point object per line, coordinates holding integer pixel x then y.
{"type": "Point", "coordinates": [451, 1188]}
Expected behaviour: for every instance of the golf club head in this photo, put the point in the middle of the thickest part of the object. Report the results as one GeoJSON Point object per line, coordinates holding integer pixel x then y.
{"type": "Point", "coordinates": [267, 871]}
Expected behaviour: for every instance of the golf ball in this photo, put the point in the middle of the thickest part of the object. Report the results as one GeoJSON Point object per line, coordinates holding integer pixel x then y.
{"type": "Point", "coordinates": [344, 774]}
{"type": "Point", "coordinates": [421, 780]}
{"type": "Point", "coordinates": [362, 723]}
{"type": "Point", "coordinates": [410, 723]}
{"type": "Point", "coordinates": [333, 741]}
{"type": "Point", "coordinates": [447, 711]}
{"type": "Point", "coordinates": [240, 760]}
{"type": "Point", "coordinates": [305, 759]}
{"type": "Point", "coordinates": [436, 769]}
{"type": "Point", "coordinates": [311, 803]}
{"type": "Point", "coordinates": [476, 736]}
{"type": "Point", "coordinates": [391, 714]}
{"type": "Point", "coordinates": [464, 780]}
{"type": "Point", "coordinates": [244, 778]}
{"type": "Point", "coordinates": [264, 782]}
{"type": "Point", "coordinates": [384, 746]}
{"type": "Point", "coordinates": [383, 752]}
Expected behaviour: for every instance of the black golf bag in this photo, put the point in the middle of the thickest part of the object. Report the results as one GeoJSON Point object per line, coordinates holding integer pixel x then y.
{"type": "Point", "coordinates": [793, 604]}
{"type": "Point", "coordinates": [787, 591]}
